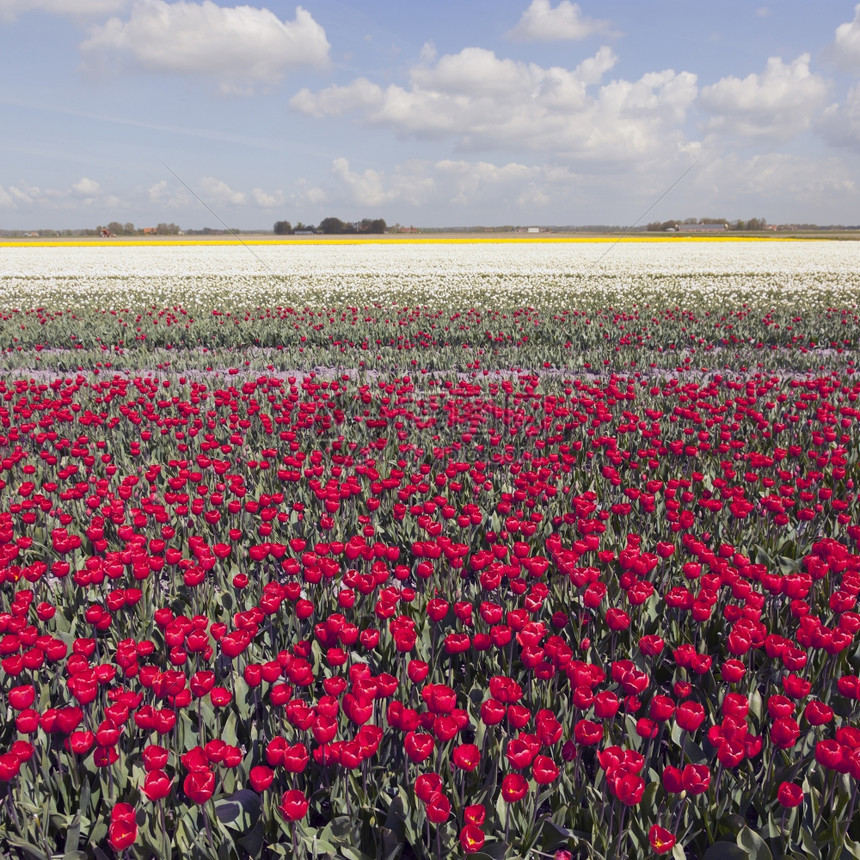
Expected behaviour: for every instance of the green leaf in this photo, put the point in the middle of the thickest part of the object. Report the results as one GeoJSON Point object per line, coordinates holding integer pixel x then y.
{"type": "Point", "coordinates": [253, 841]}
{"type": "Point", "coordinates": [810, 846]}
{"type": "Point", "coordinates": [29, 849]}
{"type": "Point", "coordinates": [725, 851]}
{"type": "Point", "coordinates": [239, 811]}
{"type": "Point", "coordinates": [754, 845]}
{"type": "Point", "coordinates": [493, 851]}
{"type": "Point", "coordinates": [73, 835]}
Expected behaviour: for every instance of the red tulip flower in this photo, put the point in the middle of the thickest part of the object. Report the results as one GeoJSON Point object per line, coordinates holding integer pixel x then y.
{"type": "Point", "coordinates": [696, 778]}
{"type": "Point", "coordinates": [157, 785]}
{"type": "Point", "coordinates": [789, 795]}
{"type": "Point", "coordinates": [294, 805]}
{"type": "Point", "coordinates": [199, 785]}
{"type": "Point", "coordinates": [661, 839]}
{"type": "Point", "coordinates": [466, 756]}
{"type": "Point", "coordinates": [689, 716]}
{"type": "Point", "coordinates": [471, 839]}
{"type": "Point", "coordinates": [544, 770]}
{"type": "Point", "coordinates": [514, 787]}
{"type": "Point", "coordinates": [122, 831]}
{"type": "Point", "coordinates": [438, 808]}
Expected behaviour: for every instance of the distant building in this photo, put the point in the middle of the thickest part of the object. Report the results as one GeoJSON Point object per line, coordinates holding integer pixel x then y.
{"type": "Point", "coordinates": [702, 228]}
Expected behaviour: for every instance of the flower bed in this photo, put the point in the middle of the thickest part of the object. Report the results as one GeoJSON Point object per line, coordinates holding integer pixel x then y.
{"type": "Point", "coordinates": [573, 581]}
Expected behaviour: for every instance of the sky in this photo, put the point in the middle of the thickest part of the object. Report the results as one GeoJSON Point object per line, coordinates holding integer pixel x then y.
{"type": "Point", "coordinates": [486, 112]}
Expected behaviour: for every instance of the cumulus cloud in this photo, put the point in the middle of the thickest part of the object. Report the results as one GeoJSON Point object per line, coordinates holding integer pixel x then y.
{"type": "Point", "coordinates": [240, 47]}
{"type": "Point", "coordinates": [464, 185]}
{"type": "Point", "coordinates": [218, 191]}
{"type": "Point", "coordinates": [542, 22]}
{"type": "Point", "coordinates": [839, 124]}
{"type": "Point", "coordinates": [266, 199]}
{"type": "Point", "coordinates": [484, 103]}
{"type": "Point", "coordinates": [411, 183]}
{"type": "Point", "coordinates": [86, 187]}
{"type": "Point", "coordinates": [846, 43]}
{"type": "Point", "coordinates": [788, 182]}
{"type": "Point", "coordinates": [777, 104]}
{"type": "Point", "coordinates": [10, 9]}
{"type": "Point", "coordinates": [83, 193]}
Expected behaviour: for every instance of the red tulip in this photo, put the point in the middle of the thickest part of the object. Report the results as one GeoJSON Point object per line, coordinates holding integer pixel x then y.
{"type": "Point", "coordinates": [157, 785]}
{"type": "Point", "coordinates": [122, 831]}
{"type": "Point", "coordinates": [784, 732]}
{"type": "Point", "coordinates": [438, 808]}
{"type": "Point", "coordinates": [471, 838]}
{"type": "Point", "coordinates": [689, 716]}
{"type": "Point", "coordinates": [629, 788]}
{"type": "Point", "coordinates": [696, 778]}
{"type": "Point", "coordinates": [466, 756]}
{"type": "Point", "coordinates": [789, 795]}
{"type": "Point", "coordinates": [514, 787]}
{"type": "Point", "coordinates": [294, 805]}
{"type": "Point", "coordinates": [661, 839]}
{"type": "Point", "coordinates": [544, 770]}
{"type": "Point", "coordinates": [199, 785]}
{"type": "Point", "coordinates": [261, 777]}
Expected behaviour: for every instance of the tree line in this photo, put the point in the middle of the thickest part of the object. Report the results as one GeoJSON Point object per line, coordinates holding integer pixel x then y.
{"type": "Point", "coordinates": [128, 229]}
{"type": "Point", "coordinates": [332, 226]}
{"type": "Point", "coordinates": [663, 226]}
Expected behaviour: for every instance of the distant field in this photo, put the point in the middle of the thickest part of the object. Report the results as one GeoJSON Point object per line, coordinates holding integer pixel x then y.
{"type": "Point", "coordinates": [424, 238]}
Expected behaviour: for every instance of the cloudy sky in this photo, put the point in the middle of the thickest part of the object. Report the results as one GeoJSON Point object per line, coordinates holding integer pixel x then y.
{"type": "Point", "coordinates": [481, 112]}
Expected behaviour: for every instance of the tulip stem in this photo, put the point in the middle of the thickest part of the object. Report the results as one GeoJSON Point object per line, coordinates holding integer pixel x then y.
{"type": "Point", "coordinates": [618, 851]}
{"type": "Point", "coordinates": [208, 825]}
{"type": "Point", "coordinates": [850, 813]}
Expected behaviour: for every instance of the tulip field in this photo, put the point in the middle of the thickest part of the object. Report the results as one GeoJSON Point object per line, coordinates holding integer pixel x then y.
{"type": "Point", "coordinates": [501, 550]}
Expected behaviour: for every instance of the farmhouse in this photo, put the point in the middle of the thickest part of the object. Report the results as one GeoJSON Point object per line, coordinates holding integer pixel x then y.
{"type": "Point", "coordinates": [703, 228]}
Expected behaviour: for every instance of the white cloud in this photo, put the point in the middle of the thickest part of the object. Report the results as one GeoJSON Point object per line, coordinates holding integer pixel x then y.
{"type": "Point", "coordinates": [839, 124]}
{"type": "Point", "coordinates": [158, 193]}
{"type": "Point", "coordinates": [240, 47]}
{"type": "Point", "coordinates": [786, 182]}
{"type": "Point", "coordinates": [487, 103]}
{"type": "Point", "coordinates": [472, 182]}
{"type": "Point", "coordinates": [846, 44]}
{"type": "Point", "coordinates": [509, 190]}
{"type": "Point", "coordinates": [335, 100]}
{"type": "Point", "coordinates": [411, 183]}
{"type": "Point", "coordinates": [6, 201]}
{"type": "Point", "coordinates": [26, 194]}
{"type": "Point", "coordinates": [86, 187]}
{"type": "Point", "coordinates": [219, 192]}
{"type": "Point", "coordinates": [267, 200]}
{"type": "Point", "coordinates": [366, 187]}
{"type": "Point", "coordinates": [778, 104]}
{"type": "Point", "coordinates": [10, 9]}
{"type": "Point", "coordinates": [543, 23]}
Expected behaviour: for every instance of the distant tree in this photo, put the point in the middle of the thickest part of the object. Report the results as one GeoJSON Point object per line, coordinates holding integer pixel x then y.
{"type": "Point", "coordinates": [378, 225]}
{"type": "Point", "coordinates": [128, 228]}
{"type": "Point", "coordinates": [332, 225]}
{"type": "Point", "coordinates": [283, 228]}
{"type": "Point", "coordinates": [115, 227]}
{"type": "Point", "coordinates": [168, 229]}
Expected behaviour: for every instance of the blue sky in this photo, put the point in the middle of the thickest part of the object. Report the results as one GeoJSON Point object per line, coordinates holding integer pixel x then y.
{"type": "Point", "coordinates": [503, 112]}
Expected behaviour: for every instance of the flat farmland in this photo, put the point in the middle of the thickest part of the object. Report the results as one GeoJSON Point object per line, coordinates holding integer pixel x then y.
{"type": "Point", "coordinates": [412, 549]}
